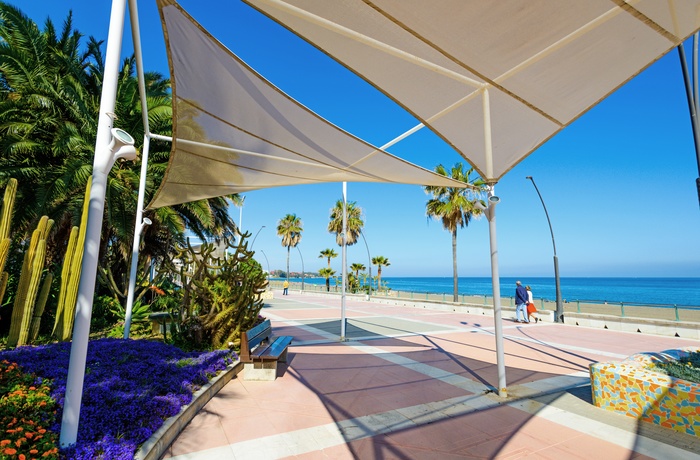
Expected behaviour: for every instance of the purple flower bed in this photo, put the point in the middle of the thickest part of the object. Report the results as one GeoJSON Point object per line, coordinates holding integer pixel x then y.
{"type": "Point", "coordinates": [131, 387]}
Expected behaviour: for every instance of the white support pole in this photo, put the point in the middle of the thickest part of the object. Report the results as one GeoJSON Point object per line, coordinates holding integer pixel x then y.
{"type": "Point", "coordinates": [495, 281]}
{"type": "Point", "coordinates": [103, 162]}
{"type": "Point", "coordinates": [138, 229]}
{"type": "Point", "coordinates": [344, 259]}
{"type": "Point", "coordinates": [138, 221]}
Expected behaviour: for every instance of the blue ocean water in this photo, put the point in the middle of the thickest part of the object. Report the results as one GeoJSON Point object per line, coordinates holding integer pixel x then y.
{"type": "Point", "coordinates": [661, 291]}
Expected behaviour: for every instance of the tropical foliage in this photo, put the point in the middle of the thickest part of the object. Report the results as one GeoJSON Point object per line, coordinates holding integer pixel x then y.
{"type": "Point", "coordinates": [380, 261]}
{"type": "Point", "coordinates": [354, 222]}
{"type": "Point", "coordinates": [289, 228]}
{"type": "Point", "coordinates": [454, 207]}
{"type": "Point", "coordinates": [50, 88]}
{"type": "Point", "coordinates": [327, 273]}
{"type": "Point", "coordinates": [328, 254]}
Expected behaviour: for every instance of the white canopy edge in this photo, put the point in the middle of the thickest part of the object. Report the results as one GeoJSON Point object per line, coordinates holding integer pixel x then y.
{"type": "Point", "coordinates": [235, 132]}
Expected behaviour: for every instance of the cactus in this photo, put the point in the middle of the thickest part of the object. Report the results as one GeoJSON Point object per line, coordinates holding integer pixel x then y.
{"type": "Point", "coordinates": [70, 276]}
{"type": "Point", "coordinates": [7, 206]}
{"type": "Point", "coordinates": [39, 308]}
{"type": "Point", "coordinates": [28, 286]}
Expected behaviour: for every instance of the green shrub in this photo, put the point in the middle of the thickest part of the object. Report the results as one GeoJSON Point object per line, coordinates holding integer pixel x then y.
{"type": "Point", "coordinates": [687, 368]}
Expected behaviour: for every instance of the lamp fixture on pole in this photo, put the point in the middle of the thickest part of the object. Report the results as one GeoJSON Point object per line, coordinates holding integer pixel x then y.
{"type": "Point", "coordinates": [559, 316]}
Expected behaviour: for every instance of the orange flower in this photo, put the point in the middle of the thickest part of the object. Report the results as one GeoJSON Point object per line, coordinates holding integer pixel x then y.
{"type": "Point", "coordinates": [4, 442]}
{"type": "Point", "coordinates": [22, 457]}
{"type": "Point", "coordinates": [9, 451]}
{"type": "Point", "coordinates": [29, 435]}
{"type": "Point", "coordinates": [33, 451]}
{"type": "Point", "coordinates": [42, 431]}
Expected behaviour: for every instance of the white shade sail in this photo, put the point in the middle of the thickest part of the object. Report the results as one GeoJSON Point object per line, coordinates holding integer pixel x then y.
{"type": "Point", "coordinates": [235, 132]}
{"type": "Point", "coordinates": [494, 79]}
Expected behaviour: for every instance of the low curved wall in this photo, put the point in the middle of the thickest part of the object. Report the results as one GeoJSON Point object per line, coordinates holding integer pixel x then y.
{"type": "Point", "coordinates": [628, 388]}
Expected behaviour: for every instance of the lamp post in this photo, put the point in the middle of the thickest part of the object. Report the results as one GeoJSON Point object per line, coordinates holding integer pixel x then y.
{"type": "Point", "coordinates": [110, 144]}
{"type": "Point", "coordinates": [559, 317]}
{"type": "Point", "coordinates": [256, 236]}
{"type": "Point", "coordinates": [302, 268]}
{"type": "Point", "coordinates": [266, 261]}
{"type": "Point", "coordinates": [369, 264]}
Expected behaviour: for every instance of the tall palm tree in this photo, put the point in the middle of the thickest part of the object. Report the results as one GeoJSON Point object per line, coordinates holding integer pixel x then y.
{"type": "Point", "coordinates": [454, 207]}
{"type": "Point", "coordinates": [380, 261]}
{"type": "Point", "coordinates": [289, 228]}
{"type": "Point", "coordinates": [327, 273]}
{"type": "Point", "coordinates": [328, 254]}
{"type": "Point", "coordinates": [355, 222]}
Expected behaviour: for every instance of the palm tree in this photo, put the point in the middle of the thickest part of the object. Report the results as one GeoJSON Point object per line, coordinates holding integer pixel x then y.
{"type": "Point", "coordinates": [328, 254]}
{"type": "Point", "coordinates": [357, 268]}
{"type": "Point", "coordinates": [355, 222]}
{"type": "Point", "coordinates": [49, 101]}
{"type": "Point", "coordinates": [289, 228]}
{"type": "Point", "coordinates": [327, 273]}
{"type": "Point", "coordinates": [454, 207]}
{"type": "Point", "coordinates": [380, 261]}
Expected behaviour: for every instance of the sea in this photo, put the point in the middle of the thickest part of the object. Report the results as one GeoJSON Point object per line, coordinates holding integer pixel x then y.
{"type": "Point", "coordinates": [638, 291]}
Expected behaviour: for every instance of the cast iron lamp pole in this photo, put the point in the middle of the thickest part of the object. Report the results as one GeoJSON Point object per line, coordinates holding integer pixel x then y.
{"type": "Point", "coordinates": [559, 316]}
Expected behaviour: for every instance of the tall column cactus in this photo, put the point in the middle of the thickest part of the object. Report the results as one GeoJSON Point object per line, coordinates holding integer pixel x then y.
{"type": "Point", "coordinates": [28, 286]}
{"type": "Point", "coordinates": [40, 305]}
{"type": "Point", "coordinates": [8, 204]}
{"type": "Point", "coordinates": [70, 276]}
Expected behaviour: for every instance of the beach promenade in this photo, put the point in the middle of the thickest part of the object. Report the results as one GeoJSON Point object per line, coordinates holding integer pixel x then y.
{"type": "Point", "coordinates": [419, 384]}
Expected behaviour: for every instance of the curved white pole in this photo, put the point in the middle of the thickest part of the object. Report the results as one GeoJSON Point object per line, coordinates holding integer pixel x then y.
{"type": "Point", "coordinates": [138, 221]}
{"type": "Point", "coordinates": [103, 162]}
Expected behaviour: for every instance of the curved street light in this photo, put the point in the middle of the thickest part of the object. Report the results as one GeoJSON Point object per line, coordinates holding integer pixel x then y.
{"type": "Point", "coordinates": [369, 264]}
{"type": "Point", "coordinates": [267, 261]}
{"type": "Point", "coordinates": [559, 317]}
{"type": "Point", "coordinates": [256, 236]}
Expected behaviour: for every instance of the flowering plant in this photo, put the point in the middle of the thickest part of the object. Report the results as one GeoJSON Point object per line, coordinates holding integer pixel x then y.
{"type": "Point", "coordinates": [131, 387]}
{"type": "Point", "coordinates": [26, 410]}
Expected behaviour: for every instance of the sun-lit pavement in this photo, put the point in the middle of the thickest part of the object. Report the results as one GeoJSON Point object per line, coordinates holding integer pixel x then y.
{"type": "Point", "coordinates": [415, 383]}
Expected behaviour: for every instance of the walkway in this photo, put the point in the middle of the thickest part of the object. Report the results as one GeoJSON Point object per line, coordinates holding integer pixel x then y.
{"type": "Point", "coordinates": [418, 384]}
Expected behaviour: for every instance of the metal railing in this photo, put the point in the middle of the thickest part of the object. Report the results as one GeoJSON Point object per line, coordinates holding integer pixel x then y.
{"type": "Point", "coordinates": [667, 312]}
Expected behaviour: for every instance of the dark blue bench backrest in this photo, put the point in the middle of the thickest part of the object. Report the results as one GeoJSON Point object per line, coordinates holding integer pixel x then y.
{"type": "Point", "coordinates": [259, 333]}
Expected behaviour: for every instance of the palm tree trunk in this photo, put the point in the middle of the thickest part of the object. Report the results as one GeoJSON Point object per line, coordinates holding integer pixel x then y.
{"type": "Point", "coordinates": [379, 278]}
{"type": "Point", "coordinates": [328, 285]}
{"type": "Point", "coordinates": [288, 249]}
{"type": "Point", "coordinates": [454, 267]}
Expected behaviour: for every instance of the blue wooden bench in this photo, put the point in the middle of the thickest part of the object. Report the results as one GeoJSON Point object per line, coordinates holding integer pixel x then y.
{"type": "Point", "coordinates": [260, 352]}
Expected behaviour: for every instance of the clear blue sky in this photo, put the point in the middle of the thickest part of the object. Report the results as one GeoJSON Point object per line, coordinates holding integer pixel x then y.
{"type": "Point", "coordinates": [619, 183]}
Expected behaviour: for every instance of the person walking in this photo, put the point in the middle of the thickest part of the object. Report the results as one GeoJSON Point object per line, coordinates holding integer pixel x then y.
{"type": "Point", "coordinates": [520, 303]}
{"type": "Point", "coordinates": [285, 287]}
{"type": "Point", "coordinates": [531, 309]}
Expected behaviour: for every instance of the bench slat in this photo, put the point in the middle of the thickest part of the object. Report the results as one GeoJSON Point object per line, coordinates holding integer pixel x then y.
{"type": "Point", "coordinates": [273, 350]}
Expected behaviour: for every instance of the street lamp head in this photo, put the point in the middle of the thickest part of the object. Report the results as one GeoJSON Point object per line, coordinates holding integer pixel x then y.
{"type": "Point", "coordinates": [528, 177]}
{"type": "Point", "coordinates": [493, 199]}
{"type": "Point", "coordinates": [480, 205]}
{"type": "Point", "coordinates": [122, 145]}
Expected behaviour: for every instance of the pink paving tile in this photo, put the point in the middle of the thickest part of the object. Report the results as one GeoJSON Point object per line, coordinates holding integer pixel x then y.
{"type": "Point", "coordinates": [195, 438]}
{"type": "Point", "coordinates": [341, 452]}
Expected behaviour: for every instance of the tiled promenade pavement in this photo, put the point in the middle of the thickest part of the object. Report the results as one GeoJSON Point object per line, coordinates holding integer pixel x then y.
{"type": "Point", "coordinates": [418, 384]}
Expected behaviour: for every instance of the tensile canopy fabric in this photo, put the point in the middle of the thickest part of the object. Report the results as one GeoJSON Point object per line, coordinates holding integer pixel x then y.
{"type": "Point", "coordinates": [233, 131]}
{"type": "Point", "coordinates": [495, 79]}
